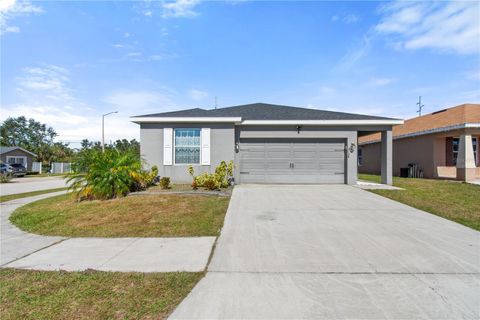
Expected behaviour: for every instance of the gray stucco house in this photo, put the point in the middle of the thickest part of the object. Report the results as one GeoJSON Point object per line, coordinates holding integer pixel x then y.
{"type": "Point", "coordinates": [17, 155]}
{"type": "Point", "coordinates": [268, 143]}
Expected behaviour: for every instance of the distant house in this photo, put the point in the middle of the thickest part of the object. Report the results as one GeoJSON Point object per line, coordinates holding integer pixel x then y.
{"type": "Point", "coordinates": [443, 144]}
{"type": "Point", "coordinates": [17, 155]}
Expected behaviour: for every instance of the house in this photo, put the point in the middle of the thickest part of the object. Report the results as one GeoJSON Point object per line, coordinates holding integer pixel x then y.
{"type": "Point", "coordinates": [17, 155]}
{"type": "Point", "coordinates": [443, 144]}
{"type": "Point", "coordinates": [268, 143]}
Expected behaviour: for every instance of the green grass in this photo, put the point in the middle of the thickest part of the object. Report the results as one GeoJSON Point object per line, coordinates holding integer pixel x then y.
{"type": "Point", "coordinates": [165, 215]}
{"type": "Point", "coordinates": [43, 175]}
{"type": "Point", "coordinates": [91, 294]}
{"type": "Point", "coordinates": [456, 201]}
{"type": "Point", "coordinates": [28, 194]}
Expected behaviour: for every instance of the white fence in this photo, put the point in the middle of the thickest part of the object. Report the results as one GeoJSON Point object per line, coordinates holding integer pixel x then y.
{"type": "Point", "coordinates": [61, 167]}
{"type": "Point", "coordinates": [37, 167]}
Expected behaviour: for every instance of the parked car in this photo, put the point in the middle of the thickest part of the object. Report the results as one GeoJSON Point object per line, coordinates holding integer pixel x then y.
{"type": "Point", "coordinates": [5, 168]}
{"type": "Point", "coordinates": [19, 169]}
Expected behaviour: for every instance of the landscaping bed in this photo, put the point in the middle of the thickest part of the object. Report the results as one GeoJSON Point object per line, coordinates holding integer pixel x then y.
{"type": "Point", "coordinates": [165, 215]}
{"type": "Point", "coordinates": [91, 294]}
{"type": "Point", "coordinates": [453, 200]}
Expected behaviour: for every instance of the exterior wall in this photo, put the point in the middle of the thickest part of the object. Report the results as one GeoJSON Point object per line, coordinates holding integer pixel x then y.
{"type": "Point", "coordinates": [151, 148]}
{"type": "Point", "coordinates": [18, 153]}
{"type": "Point", "coordinates": [430, 152]}
{"type": "Point", "coordinates": [349, 134]}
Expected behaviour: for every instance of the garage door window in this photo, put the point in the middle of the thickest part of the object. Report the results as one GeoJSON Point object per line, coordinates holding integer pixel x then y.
{"type": "Point", "coordinates": [187, 146]}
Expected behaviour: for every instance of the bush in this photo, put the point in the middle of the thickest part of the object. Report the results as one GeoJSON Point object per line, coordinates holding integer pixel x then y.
{"type": "Point", "coordinates": [165, 183]}
{"type": "Point", "coordinates": [110, 174]}
{"type": "Point", "coordinates": [5, 177]}
{"type": "Point", "coordinates": [213, 181]}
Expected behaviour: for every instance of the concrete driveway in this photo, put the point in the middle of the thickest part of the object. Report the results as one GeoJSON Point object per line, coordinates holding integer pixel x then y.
{"type": "Point", "coordinates": [336, 252]}
{"type": "Point", "coordinates": [21, 185]}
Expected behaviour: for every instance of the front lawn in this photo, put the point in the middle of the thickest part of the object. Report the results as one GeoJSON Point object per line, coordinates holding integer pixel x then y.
{"type": "Point", "coordinates": [91, 294]}
{"type": "Point", "coordinates": [456, 201]}
{"type": "Point", "coordinates": [166, 215]}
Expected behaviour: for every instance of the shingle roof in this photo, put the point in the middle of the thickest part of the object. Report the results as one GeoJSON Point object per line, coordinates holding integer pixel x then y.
{"type": "Point", "coordinates": [8, 149]}
{"type": "Point", "coordinates": [264, 111]}
{"type": "Point", "coordinates": [465, 113]}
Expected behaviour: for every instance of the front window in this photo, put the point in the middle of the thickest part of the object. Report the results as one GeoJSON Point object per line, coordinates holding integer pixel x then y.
{"type": "Point", "coordinates": [187, 146]}
{"type": "Point", "coordinates": [20, 160]}
{"type": "Point", "coordinates": [360, 156]}
{"type": "Point", "coordinates": [456, 143]}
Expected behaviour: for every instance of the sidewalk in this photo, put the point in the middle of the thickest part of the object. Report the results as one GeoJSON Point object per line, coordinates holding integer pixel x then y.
{"type": "Point", "coordinates": [24, 250]}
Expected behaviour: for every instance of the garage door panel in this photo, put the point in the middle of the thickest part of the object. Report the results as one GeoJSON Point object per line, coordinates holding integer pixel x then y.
{"type": "Point", "coordinates": [269, 161]}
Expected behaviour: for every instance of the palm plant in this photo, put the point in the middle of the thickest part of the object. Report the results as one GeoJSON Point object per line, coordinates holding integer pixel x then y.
{"type": "Point", "coordinates": [107, 175]}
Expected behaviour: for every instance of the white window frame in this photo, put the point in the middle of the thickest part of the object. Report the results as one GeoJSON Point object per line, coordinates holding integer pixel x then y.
{"type": "Point", "coordinates": [175, 151]}
{"type": "Point", "coordinates": [16, 157]}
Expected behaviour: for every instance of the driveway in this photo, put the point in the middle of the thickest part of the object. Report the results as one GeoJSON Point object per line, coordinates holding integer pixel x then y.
{"type": "Point", "coordinates": [21, 185]}
{"type": "Point", "coordinates": [336, 252]}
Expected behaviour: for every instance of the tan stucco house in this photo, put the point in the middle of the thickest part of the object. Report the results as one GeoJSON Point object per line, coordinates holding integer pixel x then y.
{"type": "Point", "coordinates": [443, 144]}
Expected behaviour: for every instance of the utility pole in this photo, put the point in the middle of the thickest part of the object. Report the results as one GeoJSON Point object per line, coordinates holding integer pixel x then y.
{"type": "Point", "coordinates": [420, 106]}
{"type": "Point", "coordinates": [103, 128]}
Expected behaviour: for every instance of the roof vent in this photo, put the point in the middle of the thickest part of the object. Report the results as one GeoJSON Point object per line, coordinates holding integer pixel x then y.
{"type": "Point", "coordinates": [439, 111]}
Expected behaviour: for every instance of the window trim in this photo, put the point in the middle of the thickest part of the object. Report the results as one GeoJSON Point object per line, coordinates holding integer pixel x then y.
{"type": "Point", "coordinates": [25, 159]}
{"type": "Point", "coordinates": [175, 151]}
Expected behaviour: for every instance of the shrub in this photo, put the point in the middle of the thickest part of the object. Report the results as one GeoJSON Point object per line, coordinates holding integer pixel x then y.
{"type": "Point", "coordinates": [212, 181]}
{"type": "Point", "coordinates": [165, 183]}
{"type": "Point", "coordinates": [110, 174]}
{"type": "Point", "coordinates": [5, 177]}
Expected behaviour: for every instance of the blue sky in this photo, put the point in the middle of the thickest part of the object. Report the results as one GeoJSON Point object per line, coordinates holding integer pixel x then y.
{"type": "Point", "coordinates": [66, 63]}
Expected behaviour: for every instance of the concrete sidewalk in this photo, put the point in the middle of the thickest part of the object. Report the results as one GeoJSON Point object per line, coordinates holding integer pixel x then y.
{"type": "Point", "coordinates": [25, 184]}
{"type": "Point", "coordinates": [20, 249]}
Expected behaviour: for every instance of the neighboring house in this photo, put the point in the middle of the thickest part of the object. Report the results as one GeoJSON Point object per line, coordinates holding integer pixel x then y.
{"type": "Point", "coordinates": [17, 155]}
{"type": "Point", "coordinates": [443, 144]}
{"type": "Point", "coordinates": [268, 143]}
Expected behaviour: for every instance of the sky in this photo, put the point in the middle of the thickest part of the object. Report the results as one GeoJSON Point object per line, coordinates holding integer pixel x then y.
{"type": "Point", "coordinates": [65, 63]}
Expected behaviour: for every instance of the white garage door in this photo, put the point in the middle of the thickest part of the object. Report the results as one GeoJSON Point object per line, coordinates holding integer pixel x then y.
{"type": "Point", "coordinates": [292, 161]}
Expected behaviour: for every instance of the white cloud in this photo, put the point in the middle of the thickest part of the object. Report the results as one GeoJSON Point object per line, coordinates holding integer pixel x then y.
{"type": "Point", "coordinates": [326, 90]}
{"type": "Point", "coordinates": [358, 51]}
{"type": "Point", "coordinates": [348, 18]}
{"type": "Point", "coordinates": [47, 81]}
{"type": "Point", "coordinates": [351, 18]}
{"type": "Point", "coordinates": [446, 26]}
{"type": "Point", "coordinates": [180, 9]}
{"type": "Point", "coordinates": [197, 95]}
{"type": "Point", "coordinates": [140, 101]}
{"type": "Point", "coordinates": [379, 82]}
{"type": "Point", "coordinates": [10, 9]}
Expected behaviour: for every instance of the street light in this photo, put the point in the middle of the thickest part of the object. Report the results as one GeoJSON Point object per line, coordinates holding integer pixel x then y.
{"type": "Point", "coordinates": [103, 128]}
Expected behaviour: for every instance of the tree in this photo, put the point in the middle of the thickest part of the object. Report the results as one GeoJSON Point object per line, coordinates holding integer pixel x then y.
{"type": "Point", "coordinates": [125, 145]}
{"type": "Point", "coordinates": [35, 137]}
{"type": "Point", "coordinates": [28, 134]}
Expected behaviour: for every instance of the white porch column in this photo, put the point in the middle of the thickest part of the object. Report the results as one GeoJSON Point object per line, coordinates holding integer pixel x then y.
{"type": "Point", "coordinates": [465, 159]}
{"type": "Point", "coordinates": [387, 158]}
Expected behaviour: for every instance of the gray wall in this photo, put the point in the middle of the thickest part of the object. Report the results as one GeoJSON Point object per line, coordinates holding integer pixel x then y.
{"type": "Point", "coordinates": [223, 139]}
{"type": "Point", "coordinates": [349, 134]}
{"type": "Point", "coordinates": [151, 148]}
